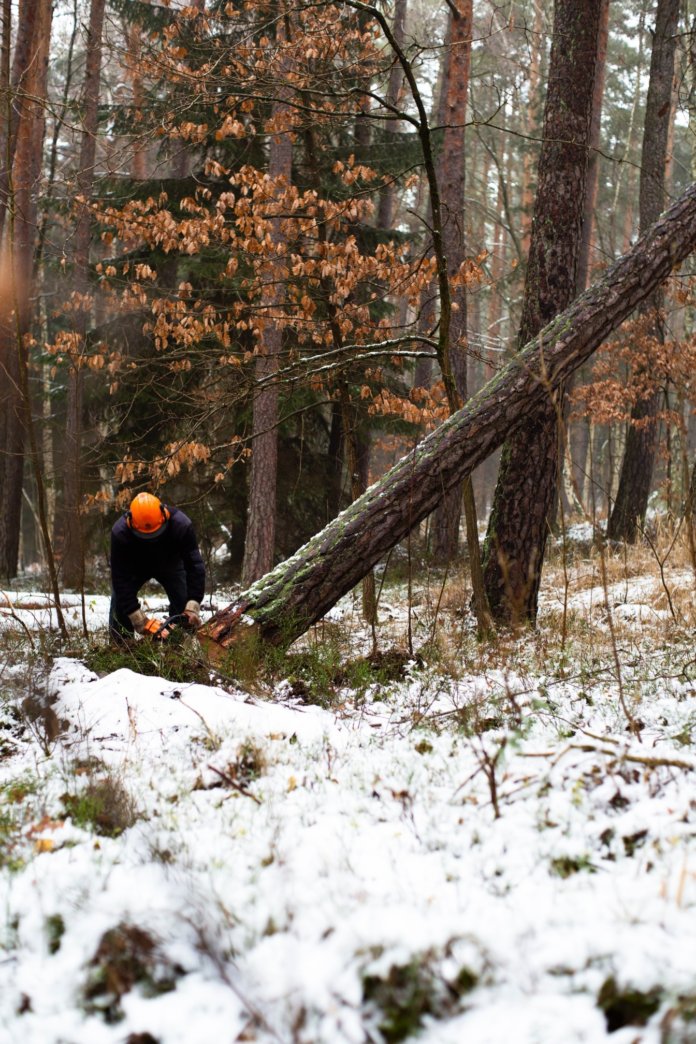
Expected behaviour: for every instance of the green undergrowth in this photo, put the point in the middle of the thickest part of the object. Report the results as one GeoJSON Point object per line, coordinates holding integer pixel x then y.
{"type": "Point", "coordinates": [16, 810]}
{"type": "Point", "coordinates": [320, 670]}
{"type": "Point", "coordinates": [127, 957]}
{"type": "Point", "coordinates": [627, 1006]}
{"type": "Point", "coordinates": [320, 674]}
{"type": "Point", "coordinates": [177, 661]}
{"type": "Point", "coordinates": [403, 996]}
{"type": "Point", "coordinates": [102, 804]}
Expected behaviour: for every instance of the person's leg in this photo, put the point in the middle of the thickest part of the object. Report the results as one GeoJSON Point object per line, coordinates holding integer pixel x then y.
{"type": "Point", "coordinates": [120, 627]}
{"type": "Point", "coordinates": [174, 583]}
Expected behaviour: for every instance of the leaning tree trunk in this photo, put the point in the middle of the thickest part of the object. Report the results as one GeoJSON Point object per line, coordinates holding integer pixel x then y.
{"type": "Point", "coordinates": [283, 604]}
{"type": "Point", "coordinates": [635, 480]}
{"type": "Point", "coordinates": [528, 477]}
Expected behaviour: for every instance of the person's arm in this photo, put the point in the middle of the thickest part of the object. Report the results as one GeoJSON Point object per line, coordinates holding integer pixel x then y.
{"type": "Point", "coordinates": [195, 576]}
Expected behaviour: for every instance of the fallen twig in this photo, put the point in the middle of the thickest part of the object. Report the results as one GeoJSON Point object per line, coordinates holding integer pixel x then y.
{"type": "Point", "coordinates": [226, 778]}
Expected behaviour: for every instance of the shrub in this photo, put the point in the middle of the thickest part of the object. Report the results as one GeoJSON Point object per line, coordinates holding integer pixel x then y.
{"type": "Point", "coordinates": [103, 805]}
{"type": "Point", "coordinates": [127, 956]}
{"type": "Point", "coordinates": [624, 1006]}
{"type": "Point", "coordinates": [171, 660]}
{"type": "Point", "coordinates": [411, 991]}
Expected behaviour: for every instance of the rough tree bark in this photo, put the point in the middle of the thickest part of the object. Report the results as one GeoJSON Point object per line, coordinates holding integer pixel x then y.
{"type": "Point", "coordinates": [592, 178]}
{"type": "Point", "coordinates": [21, 205]}
{"type": "Point", "coordinates": [283, 604]}
{"type": "Point", "coordinates": [259, 542]}
{"type": "Point", "coordinates": [579, 433]}
{"type": "Point", "coordinates": [445, 538]}
{"type": "Point", "coordinates": [14, 103]}
{"type": "Point", "coordinates": [635, 480]}
{"type": "Point", "coordinates": [528, 477]}
{"type": "Point", "coordinates": [385, 211]}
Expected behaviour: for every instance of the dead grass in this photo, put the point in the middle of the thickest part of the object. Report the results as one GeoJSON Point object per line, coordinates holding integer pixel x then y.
{"type": "Point", "coordinates": [103, 805]}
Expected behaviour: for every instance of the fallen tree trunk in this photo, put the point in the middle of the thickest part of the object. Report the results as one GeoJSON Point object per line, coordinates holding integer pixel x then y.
{"type": "Point", "coordinates": [298, 592]}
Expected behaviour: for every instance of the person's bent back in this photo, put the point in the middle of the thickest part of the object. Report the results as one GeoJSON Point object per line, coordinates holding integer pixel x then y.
{"type": "Point", "coordinates": [153, 541]}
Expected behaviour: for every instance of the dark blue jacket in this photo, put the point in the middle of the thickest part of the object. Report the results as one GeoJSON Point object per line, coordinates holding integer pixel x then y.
{"type": "Point", "coordinates": [134, 560]}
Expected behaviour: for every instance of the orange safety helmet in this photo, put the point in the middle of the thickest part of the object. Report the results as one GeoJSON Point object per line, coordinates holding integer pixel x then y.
{"type": "Point", "coordinates": [147, 516]}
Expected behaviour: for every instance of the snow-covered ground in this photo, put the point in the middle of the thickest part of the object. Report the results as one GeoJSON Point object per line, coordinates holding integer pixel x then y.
{"type": "Point", "coordinates": [503, 850]}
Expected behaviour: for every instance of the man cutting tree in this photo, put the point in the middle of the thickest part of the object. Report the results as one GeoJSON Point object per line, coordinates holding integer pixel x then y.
{"type": "Point", "coordinates": [154, 542]}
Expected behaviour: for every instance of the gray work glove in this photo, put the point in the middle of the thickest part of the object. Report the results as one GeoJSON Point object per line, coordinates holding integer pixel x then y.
{"type": "Point", "coordinates": [139, 621]}
{"type": "Point", "coordinates": [192, 612]}
{"type": "Point", "coordinates": [146, 625]}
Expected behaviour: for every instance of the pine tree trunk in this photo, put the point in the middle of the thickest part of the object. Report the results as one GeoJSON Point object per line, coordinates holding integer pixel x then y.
{"type": "Point", "coordinates": [528, 478]}
{"type": "Point", "coordinates": [73, 555]}
{"type": "Point", "coordinates": [15, 320]}
{"type": "Point", "coordinates": [283, 604]}
{"type": "Point", "coordinates": [588, 222]}
{"type": "Point", "coordinates": [14, 103]}
{"type": "Point", "coordinates": [445, 542]}
{"type": "Point", "coordinates": [259, 542]}
{"type": "Point", "coordinates": [532, 122]}
{"type": "Point", "coordinates": [635, 480]}
{"type": "Point", "coordinates": [385, 210]}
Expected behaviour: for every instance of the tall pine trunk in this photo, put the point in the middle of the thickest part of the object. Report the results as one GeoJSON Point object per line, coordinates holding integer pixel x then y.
{"type": "Point", "coordinates": [259, 543]}
{"type": "Point", "coordinates": [73, 552]}
{"type": "Point", "coordinates": [528, 477]}
{"type": "Point", "coordinates": [445, 539]}
{"type": "Point", "coordinates": [26, 130]}
{"type": "Point", "coordinates": [298, 592]}
{"type": "Point", "coordinates": [635, 480]}
{"type": "Point", "coordinates": [579, 432]}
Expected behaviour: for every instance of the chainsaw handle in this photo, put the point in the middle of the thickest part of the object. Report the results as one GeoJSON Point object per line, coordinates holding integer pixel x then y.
{"type": "Point", "coordinates": [176, 619]}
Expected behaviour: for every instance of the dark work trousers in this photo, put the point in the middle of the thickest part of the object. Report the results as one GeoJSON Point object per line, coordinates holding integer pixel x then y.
{"type": "Point", "coordinates": [176, 588]}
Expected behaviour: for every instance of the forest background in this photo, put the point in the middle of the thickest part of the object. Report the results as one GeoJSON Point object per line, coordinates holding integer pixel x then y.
{"type": "Point", "coordinates": [254, 252]}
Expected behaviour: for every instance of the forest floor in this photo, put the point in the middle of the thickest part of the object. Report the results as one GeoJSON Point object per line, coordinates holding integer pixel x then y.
{"type": "Point", "coordinates": [463, 841]}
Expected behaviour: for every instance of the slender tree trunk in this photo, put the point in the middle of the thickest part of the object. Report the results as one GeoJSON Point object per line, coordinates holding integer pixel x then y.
{"type": "Point", "coordinates": [385, 210]}
{"type": "Point", "coordinates": [496, 308]}
{"type": "Point", "coordinates": [281, 605]}
{"type": "Point", "coordinates": [18, 258]}
{"type": "Point", "coordinates": [690, 516]}
{"type": "Point", "coordinates": [624, 234]}
{"type": "Point", "coordinates": [579, 432]}
{"type": "Point", "coordinates": [335, 462]}
{"type": "Point", "coordinates": [15, 101]}
{"type": "Point", "coordinates": [452, 174]}
{"type": "Point", "coordinates": [635, 480]}
{"type": "Point", "coordinates": [259, 544]}
{"type": "Point", "coordinates": [73, 564]}
{"type": "Point", "coordinates": [528, 478]}
{"type": "Point", "coordinates": [532, 121]}
{"type": "Point", "coordinates": [588, 221]}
